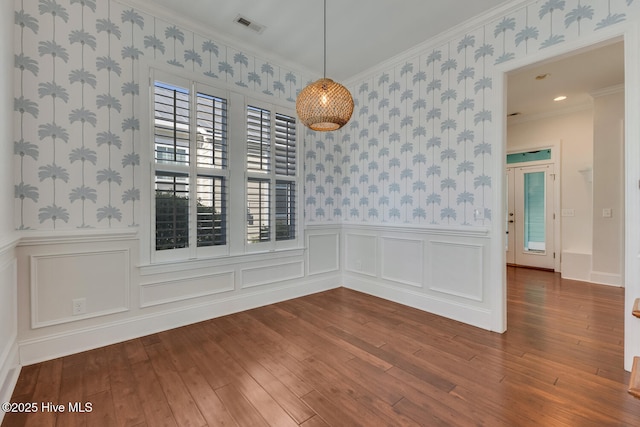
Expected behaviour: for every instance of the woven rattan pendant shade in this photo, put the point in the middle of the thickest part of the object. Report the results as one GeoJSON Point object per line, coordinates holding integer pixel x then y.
{"type": "Point", "coordinates": [324, 105]}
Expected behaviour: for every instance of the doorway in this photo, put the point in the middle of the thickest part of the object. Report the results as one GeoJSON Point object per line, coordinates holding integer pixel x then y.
{"type": "Point", "coordinates": [530, 216]}
{"type": "Point", "coordinates": [584, 126]}
{"type": "Point", "coordinates": [631, 172]}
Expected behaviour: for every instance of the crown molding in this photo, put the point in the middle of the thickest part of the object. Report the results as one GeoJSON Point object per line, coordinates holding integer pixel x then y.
{"type": "Point", "coordinates": [444, 37]}
{"type": "Point", "coordinates": [607, 91]}
{"type": "Point", "coordinates": [585, 106]}
{"type": "Point", "coordinates": [165, 14]}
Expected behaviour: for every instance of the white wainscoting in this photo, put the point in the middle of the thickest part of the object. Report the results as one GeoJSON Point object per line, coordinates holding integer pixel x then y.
{"type": "Point", "coordinates": [440, 270]}
{"type": "Point", "coordinates": [271, 272]}
{"type": "Point", "coordinates": [401, 259]}
{"type": "Point", "coordinates": [9, 361]}
{"type": "Point", "coordinates": [137, 300]}
{"type": "Point", "coordinates": [323, 252]}
{"type": "Point", "coordinates": [361, 253]}
{"type": "Point", "coordinates": [168, 291]}
{"type": "Point", "coordinates": [456, 269]}
{"type": "Point", "coordinates": [100, 278]}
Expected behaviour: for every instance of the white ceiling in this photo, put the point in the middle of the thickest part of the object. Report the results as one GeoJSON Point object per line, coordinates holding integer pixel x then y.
{"type": "Point", "coordinates": [576, 76]}
{"type": "Point", "coordinates": [360, 33]}
{"type": "Point", "coordinates": [364, 33]}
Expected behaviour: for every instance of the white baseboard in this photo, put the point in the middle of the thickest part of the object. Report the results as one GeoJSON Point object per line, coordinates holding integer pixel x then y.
{"type": "Point", "coordinates": [606, 278]}
{"type": "Point", "coordinates": [53, 346]}
{"type": "Point", "coordinates": [9, 372]}
{"type": "Point", "coordinates": [465, 313]}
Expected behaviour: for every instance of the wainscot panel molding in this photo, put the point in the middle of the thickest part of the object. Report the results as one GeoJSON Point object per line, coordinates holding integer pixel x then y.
{"type": "Point", "coordinates": [445, 274]}
{"type": "Point", "coordinates": [471, 314]}
{"type": "Point", "coordinates": [196, 264]}
{"type": "Point", "coordinates": [124, 300]}
{"type": "Point", "coordinates": [40, 237]}
{"type": "Point", "coordinates": [267, 273]}
{"type": "Point", "coordinates": [457, 230]}
{"type": "Point", "coordinates": [167, 291]}
{"type": "Point", "coordinates": [100, 279]}
{"type": "Point", "coordinates": [456, 269]}
{"type": "Point", "coordinates": [402, 260]}
{"type": "Point", "coordinates": [47, 347]}
{"type": "Point", "coordinates": [361, 253]}
{"type": "Point", "coordinates": [323, 251]}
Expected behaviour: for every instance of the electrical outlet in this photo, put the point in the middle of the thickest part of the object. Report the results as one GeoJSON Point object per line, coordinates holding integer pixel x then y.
{"type": "Point", "coordinates": [79, 306]}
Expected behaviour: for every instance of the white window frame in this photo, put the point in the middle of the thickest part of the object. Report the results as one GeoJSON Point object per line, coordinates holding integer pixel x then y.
{"type": "Point", "coordinates": [236, 174]}
{"type": "Point", "coordinates": [193, 171]}
{"type": "Point", "coordinates": [273, 178]}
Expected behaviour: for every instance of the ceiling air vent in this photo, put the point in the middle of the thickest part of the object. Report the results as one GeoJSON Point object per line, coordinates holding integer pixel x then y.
{"type": "Point", "coordinates": [246, 22]}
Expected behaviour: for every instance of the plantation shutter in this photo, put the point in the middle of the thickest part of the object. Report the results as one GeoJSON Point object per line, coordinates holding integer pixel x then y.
{"type": "Point", "coordinates": [211, 160]}
{"type": "Point", "coordinates": [285, 145]}
{"type": "Point", "coordinates": [258, 139]}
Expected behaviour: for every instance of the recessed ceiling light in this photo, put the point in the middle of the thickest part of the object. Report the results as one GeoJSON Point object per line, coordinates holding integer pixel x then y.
{"type": "Point", "coordinates": [560, 98]}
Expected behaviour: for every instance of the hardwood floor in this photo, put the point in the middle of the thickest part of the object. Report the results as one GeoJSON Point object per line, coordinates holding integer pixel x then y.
{"type": "Point", "coordinates": [342, 358]}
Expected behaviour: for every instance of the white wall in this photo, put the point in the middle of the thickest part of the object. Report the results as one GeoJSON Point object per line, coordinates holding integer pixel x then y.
{"type": "Point", "coordinates": [608, 187]}
{"type": "Point", "coordinates": [574, 133]}
{"type": "Point", "coordinates": [9, 367]}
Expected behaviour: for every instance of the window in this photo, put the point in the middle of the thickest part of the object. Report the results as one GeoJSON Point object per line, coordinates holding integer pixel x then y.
{"type": "Point", "coordinates": [190, 168]}
{"type": "Point", "coordinates": [271, 176]}
{"type": "Point", "coordinates": [224, 172]}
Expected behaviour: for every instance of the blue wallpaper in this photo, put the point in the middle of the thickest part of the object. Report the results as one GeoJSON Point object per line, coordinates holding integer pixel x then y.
{"type": "Point", "coordinates": [77, 105]}
{"type": "Point", "coordinates": [418, 149]}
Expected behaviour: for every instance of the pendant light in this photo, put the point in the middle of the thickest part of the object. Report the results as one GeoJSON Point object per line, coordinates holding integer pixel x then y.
{"type": "Point", "coordinates": [324, 105]}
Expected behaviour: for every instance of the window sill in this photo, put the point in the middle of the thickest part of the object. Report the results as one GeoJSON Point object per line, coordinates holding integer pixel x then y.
{"type": "Point", "coordinates": [194, 264]}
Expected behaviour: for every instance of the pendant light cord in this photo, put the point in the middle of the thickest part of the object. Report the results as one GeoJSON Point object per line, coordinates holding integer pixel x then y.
{"type": "Point", "coordinates": [324, 72]}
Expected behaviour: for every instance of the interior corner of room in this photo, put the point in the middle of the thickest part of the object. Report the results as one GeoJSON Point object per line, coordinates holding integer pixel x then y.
{"type": "Point", "coordinates": [456, 162]}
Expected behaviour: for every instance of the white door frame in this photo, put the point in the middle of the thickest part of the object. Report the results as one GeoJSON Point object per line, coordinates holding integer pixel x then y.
{"type": "Point", "coordinates": [556, 160]}
{"type": "Point", "coordinates": [522, 257]}
{"type": "Point", "coordinates": [628, 32]}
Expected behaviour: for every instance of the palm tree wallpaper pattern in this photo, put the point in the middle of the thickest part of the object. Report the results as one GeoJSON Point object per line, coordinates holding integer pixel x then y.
{"type": "Point", "coordinates": [77, 105]}
{"type": "Point", "coordinates": [417, 150]}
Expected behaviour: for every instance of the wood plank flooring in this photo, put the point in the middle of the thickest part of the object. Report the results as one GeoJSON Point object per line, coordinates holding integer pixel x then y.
{"type": "Point", "coordinates": [342, 358]}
